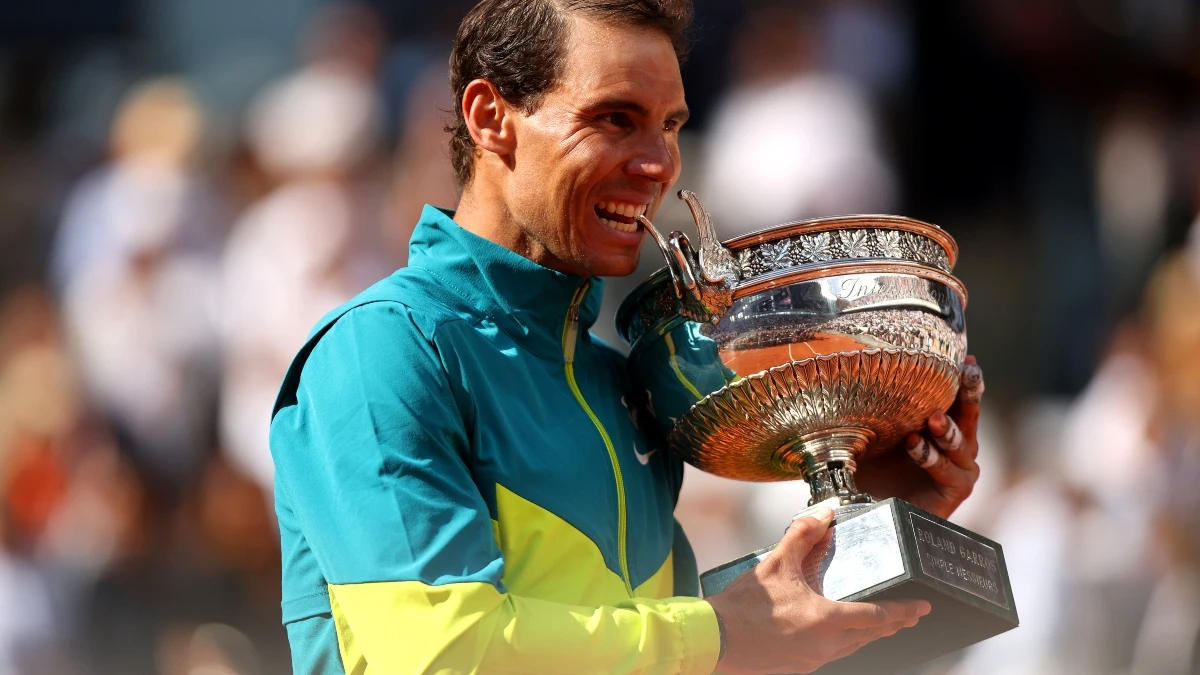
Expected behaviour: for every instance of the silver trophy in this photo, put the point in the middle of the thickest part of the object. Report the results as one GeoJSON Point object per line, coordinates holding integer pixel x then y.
{"type": "Point", "coordinates": [802, 352]}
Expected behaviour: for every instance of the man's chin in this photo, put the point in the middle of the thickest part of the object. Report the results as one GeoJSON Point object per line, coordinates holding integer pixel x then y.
{"type": "Point", "coordinates": [614, 266]}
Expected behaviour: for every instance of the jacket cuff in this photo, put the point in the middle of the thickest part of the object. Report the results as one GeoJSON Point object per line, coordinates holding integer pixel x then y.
{"type": "Point", "coordinates": [701, 638]}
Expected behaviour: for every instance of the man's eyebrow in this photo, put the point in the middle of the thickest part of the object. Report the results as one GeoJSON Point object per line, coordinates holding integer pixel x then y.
{"type": "Point", "coordinates": [632, 106]}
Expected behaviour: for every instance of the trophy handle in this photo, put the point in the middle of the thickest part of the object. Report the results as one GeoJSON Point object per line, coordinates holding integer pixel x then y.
{"type": "Point", "coordinates": [682, 276]}
{"type": "Point", "coordinates": [716, 262]}
{"type": "Point", "coordinates": [703, 281]}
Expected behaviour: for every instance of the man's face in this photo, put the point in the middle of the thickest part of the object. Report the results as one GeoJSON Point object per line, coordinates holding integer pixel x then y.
{"type": "Point", "coordinates": [601, 149]}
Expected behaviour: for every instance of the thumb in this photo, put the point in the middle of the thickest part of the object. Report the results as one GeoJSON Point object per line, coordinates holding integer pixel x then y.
{"type": "Point", "coordinates": [804, 533]}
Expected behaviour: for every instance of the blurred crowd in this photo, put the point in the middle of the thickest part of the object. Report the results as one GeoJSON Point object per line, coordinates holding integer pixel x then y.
{"type": "Point", "coordinates": [185, 192]}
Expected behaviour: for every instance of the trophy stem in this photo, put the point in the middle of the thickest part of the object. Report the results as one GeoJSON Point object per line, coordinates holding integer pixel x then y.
{"type": "Point", "coordinates": [826, 461]}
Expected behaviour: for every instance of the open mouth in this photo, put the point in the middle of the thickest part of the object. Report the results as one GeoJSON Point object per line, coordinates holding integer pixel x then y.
{"type": "Point", "coordinates": [620, 216]}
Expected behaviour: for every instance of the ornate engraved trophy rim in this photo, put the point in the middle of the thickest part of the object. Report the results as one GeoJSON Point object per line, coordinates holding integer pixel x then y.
{"type": "Point", "coordinates": [847, 222]}
{"type": "Point", "coordinates": [749, 285]}
{"type": "Point", "coordinates": [868, 266]}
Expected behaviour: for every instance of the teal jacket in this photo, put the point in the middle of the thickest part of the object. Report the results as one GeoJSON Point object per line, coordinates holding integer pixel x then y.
{"type": "Point", "coordinates": [462, 486]}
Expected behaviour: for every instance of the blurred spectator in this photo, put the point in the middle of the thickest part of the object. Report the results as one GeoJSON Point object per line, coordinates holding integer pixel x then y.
{"type": "Point", "coordinates": [147, 190]}
{"type": "Point", "coordinates": [1168, 641]}
{"type": "Point", "coordinates": [38, 409]}
{"type": "Point", "coordinates": [790, 140]}
{"type": "Point", "coordinates": [423, 173]}
{"type": "Point", "coordinates": [143, 334]}
{"type": "Point", "coordinates": [882, 70]}
{"type": "Point", "coordinates": [349, 35]}
{"type": "Point", "coordinates": [135, 262]}
{"type": "Point", "coordinates": [1133, 185]}
{"type": "Point", "coordinates": [308, 246]}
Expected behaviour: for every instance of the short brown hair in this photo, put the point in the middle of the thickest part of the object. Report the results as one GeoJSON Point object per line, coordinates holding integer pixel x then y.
{"type": "Point", "coordinates": [517, 45]}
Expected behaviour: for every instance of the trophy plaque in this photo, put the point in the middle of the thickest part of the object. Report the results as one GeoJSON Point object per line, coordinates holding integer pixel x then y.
{"type": "Point", "coordinates": [801, 352]}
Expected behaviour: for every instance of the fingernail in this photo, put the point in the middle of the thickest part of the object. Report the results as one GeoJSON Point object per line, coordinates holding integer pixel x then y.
{"type": "Point", "coordinates": [972, 375]}
{"type": "Point", "coordinates": [823, 514]}
{"type": "Point", "coordinates": [925, 609]}
{"type": "Point", "coordinates": [939, 418]}
{"type": "Point", "coordinates": [972, 382]}
{"type": "Point", "coordinates": [912, 442]}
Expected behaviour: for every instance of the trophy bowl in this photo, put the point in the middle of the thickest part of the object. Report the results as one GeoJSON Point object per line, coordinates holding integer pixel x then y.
{"type": "Point", "coordinates": [803, 351]}
{"type": "Point", "coordinates": [843, 335]}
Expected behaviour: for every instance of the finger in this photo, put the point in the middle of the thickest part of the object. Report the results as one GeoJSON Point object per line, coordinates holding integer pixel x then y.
{"type": "Point", "coordinates": [971, 386]}
{"type": "Point", "coordinates": [945, 433]}
{"type": "Point", "coordinates": [859, 638]}
{"type": "Point", "coordinates": [886, 630]}
{"type": "Point", "coordinates": [874, 615]}
{"type": "Point", "coordinates": [860, 635]}
{"type": "Point", "coordinates": [922, 451]}
{"type": "Point", "coordinates": [804, 533]}
{"type": "Point", "coordinates": [951, 441]}
{"type": "Point", "coordinates": [848, 650]}
{"type": "Point", "coordinates": [965, 411]}
{"type": "Point", "coordinates": [950, 476]}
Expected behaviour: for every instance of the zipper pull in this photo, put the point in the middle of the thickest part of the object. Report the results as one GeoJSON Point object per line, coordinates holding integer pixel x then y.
{"type": "Point", "coordinates": [571, 334]}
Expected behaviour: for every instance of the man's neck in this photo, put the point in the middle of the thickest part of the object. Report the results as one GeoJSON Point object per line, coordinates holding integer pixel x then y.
{"type": "Point", "coordinates": [483, 211]}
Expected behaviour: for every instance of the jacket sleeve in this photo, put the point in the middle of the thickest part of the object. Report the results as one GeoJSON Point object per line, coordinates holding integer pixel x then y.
{"type": "Point", "coordinates": [371, 454]}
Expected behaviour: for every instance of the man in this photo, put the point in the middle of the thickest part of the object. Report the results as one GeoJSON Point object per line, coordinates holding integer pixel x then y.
{"type": "Point", "coordinates": [459, 486]}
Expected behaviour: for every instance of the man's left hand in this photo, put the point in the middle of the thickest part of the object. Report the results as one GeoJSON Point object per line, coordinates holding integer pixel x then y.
{"type": "Point", "coordinates": [938, 471]}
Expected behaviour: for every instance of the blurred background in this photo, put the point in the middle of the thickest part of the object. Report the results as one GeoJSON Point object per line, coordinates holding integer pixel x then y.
{"type": "Point", "coordinates": [187, 185]}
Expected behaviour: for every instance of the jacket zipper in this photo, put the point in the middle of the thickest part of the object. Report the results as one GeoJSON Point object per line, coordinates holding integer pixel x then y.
{"type": "Point", "coordinates": [569, 339]}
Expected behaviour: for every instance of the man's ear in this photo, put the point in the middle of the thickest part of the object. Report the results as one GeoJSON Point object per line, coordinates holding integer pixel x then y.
{"type": "Point", "coordinates": [488, 118]}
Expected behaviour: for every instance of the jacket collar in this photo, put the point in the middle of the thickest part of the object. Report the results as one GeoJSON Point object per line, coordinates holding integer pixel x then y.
{"type": "Point", "coordinates": [525, 300]}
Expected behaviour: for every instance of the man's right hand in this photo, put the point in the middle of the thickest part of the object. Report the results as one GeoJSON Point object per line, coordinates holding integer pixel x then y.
{"type": "Point", "coordinates": [776, 623]}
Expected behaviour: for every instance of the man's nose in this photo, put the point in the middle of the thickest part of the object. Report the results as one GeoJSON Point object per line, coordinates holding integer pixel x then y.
{"type": "Point", "coordinates": [657, 161]}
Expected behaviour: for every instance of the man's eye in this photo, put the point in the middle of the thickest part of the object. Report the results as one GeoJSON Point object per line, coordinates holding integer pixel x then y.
{"type": "Point", "coordinates": [620, 120]}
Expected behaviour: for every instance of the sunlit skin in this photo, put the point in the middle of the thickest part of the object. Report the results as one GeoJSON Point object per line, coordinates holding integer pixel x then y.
{"type": "Point", "coordinates": [607, 132]}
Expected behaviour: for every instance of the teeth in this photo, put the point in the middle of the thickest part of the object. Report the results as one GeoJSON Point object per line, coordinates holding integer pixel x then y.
{"type": "Point", "coordinates": [623, 209]}
{"type": "Point", "coordinates": [621, 227]}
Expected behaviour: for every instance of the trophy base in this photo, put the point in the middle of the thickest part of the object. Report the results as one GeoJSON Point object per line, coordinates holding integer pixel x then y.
{"type": "Point", "coordinates": [893, 550]}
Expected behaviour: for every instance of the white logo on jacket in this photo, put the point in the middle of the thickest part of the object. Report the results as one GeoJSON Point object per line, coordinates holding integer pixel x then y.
{"type": "Point", "coordinates": [642, 458]}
